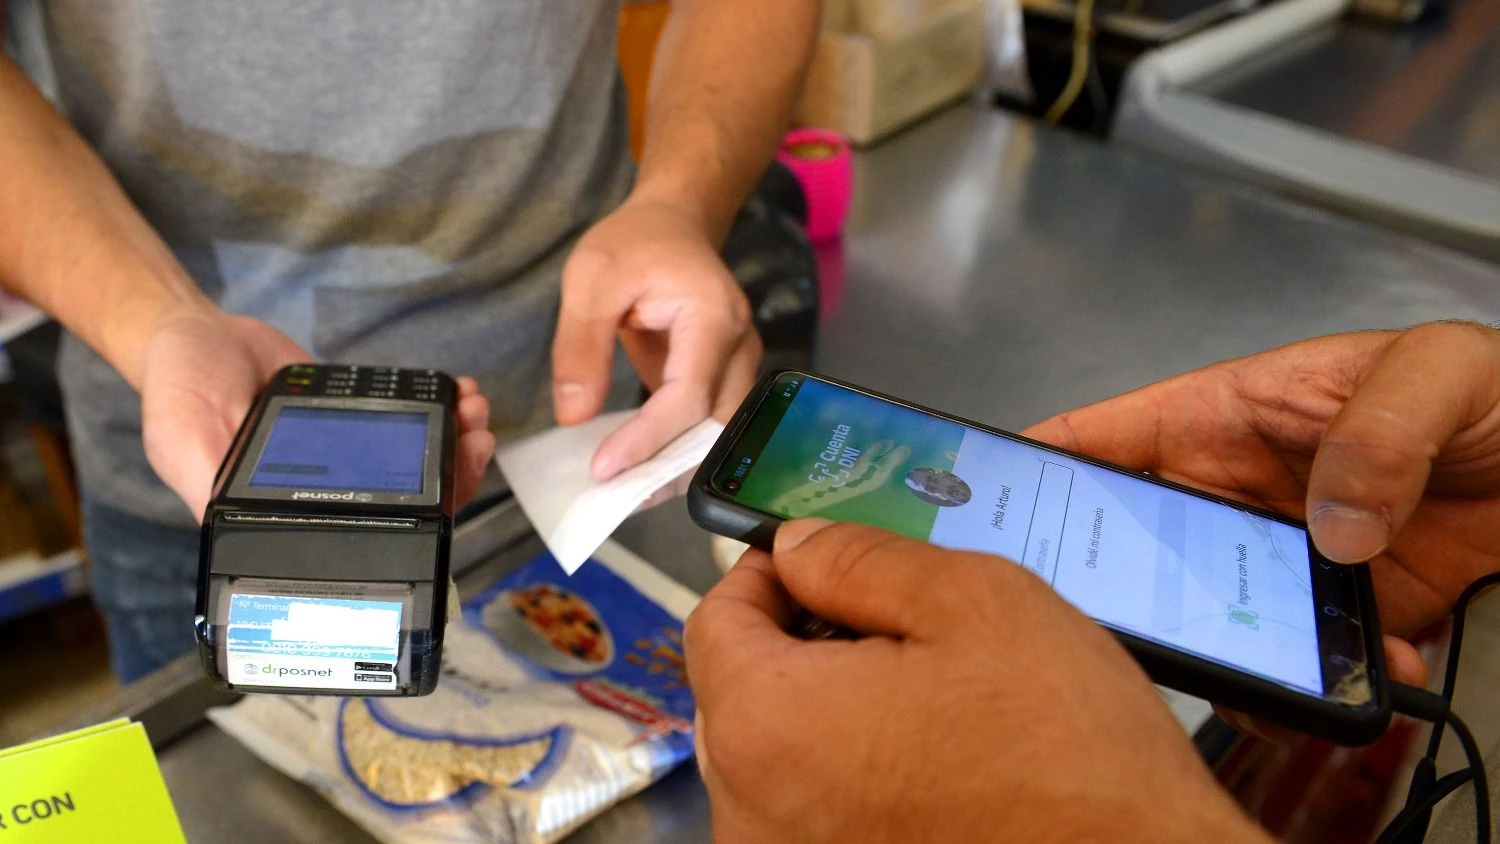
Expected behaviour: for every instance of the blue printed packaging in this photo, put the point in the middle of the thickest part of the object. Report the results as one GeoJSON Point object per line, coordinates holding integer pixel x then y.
{"type": "Point", "coordinates": [559, 697]}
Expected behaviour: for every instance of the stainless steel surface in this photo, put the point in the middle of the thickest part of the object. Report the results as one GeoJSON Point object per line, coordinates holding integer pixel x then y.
{"type": "Point", "coordinates": [1430, 91]}
{"type": "Point", "coordinates": [1004, 272]}
{"type": "Point", "coordinates": [169, 702]}
{"type": "Point", "coordinates": [1393, 126]}
{"type": "Point", "coordinates": [486, 534]}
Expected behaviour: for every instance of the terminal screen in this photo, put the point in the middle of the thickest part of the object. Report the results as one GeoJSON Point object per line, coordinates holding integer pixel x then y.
{"type": "Point", "coordinates": [358, 450]}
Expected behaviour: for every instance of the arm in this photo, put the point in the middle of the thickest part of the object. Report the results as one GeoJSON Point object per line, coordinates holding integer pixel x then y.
{"type": "Point", "coordinates": [72, 243]}
{"type": "Point", "coordinates": [724, 83]}
{"type": "Point", "coordinates": [649, 275]}
{"type": "Point", "coordinates": [70, 240]}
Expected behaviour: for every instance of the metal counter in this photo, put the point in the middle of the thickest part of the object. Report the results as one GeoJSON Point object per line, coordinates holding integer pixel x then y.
{"type": "Point", "coordinates": [993, 268]}
{"type": "Point", "coordinates": [1396, 126]}
{"type": "Point", "coordinates": [1428, 91]}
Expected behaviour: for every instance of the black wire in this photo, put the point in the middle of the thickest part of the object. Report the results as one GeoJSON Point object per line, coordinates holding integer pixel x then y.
{"type": "Point", "coordinates": [1423, 794]}
{"type": "Point", "coordinates": [1423, 776]}
{"type": "Point", "coordinates": [1481, 778]}
{"type": "Point", "coordinates": [1455, 642]}
{"type": "Point", "coordinates": [1406, 821]}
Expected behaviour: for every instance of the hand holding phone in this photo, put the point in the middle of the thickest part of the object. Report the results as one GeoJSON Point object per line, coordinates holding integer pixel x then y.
{"type": "Point", "coordinates": [944, 723]}
{"type": "Point", "coordinates": [1383, 423]}
{"type": "Point", "coordinates": [1211, 596]}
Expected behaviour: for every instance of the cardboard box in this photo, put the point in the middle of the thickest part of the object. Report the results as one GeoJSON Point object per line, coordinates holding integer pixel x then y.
{"type": "Point", "coordinates": [892, 19]}
{"type": "Point", "coordinates": [867, 88]}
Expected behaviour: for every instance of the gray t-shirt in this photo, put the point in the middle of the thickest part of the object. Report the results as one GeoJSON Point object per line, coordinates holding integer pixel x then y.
{"type": "Point", "coordinates": [387, 182]}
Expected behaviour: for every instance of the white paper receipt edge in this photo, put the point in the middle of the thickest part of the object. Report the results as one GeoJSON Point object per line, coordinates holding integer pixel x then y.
{"type": "Point", "coordinates": [549, 475]}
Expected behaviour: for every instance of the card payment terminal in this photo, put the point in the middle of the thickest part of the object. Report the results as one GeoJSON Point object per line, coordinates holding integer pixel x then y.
{"type": "Point", "coordinates": [323, 567]}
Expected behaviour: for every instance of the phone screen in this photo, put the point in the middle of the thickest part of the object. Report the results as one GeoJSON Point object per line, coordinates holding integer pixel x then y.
{"type": "Point", "coordinates": [1204, 577]}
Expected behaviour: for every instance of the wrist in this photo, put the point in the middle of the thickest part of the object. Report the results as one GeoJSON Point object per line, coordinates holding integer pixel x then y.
{"type": "Point", "coordinates": [686, 203]}
{"type": "Point", "coordinates": [135, 315]}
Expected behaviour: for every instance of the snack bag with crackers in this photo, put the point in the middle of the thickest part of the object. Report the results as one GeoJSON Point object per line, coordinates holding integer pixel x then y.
{"type": "Point", "coordinates": [559, 697]}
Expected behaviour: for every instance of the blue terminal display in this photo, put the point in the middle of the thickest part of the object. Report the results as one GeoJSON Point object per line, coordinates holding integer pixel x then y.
{"type": "Point", "coordinates": [369, 451]}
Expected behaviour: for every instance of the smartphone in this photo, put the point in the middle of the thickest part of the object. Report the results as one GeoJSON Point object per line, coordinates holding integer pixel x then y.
{"type": "Point", "coordinates": [1214, 598]}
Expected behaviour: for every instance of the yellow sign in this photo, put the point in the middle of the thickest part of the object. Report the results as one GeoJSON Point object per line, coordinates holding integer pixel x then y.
{"type": "Point", "coordinates": [100, 783]}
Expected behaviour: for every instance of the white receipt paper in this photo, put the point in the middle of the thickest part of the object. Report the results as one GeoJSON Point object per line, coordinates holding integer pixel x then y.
{"type": "Point", "coordinates": [549, 474]}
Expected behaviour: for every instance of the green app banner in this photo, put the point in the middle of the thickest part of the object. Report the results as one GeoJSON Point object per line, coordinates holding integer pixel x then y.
{"type": "Point", "coordinates": [844, 456]}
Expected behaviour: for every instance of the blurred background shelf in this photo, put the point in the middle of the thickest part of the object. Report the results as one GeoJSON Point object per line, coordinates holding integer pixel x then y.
{"type": "Point", "coordinates": [40, 564]}
{"type": "Point", "coordinates": [30, 582]}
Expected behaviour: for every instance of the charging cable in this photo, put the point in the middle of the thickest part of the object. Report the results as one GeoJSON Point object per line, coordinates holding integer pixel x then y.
{"type": "Point", "coordinates": [1411, 824]}
{"type": "Point", "coordinates": [1426, 789]}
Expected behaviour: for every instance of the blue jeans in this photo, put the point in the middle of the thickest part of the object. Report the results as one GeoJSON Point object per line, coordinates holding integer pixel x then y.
{"type": "Point", "coordinates": [144, 577]}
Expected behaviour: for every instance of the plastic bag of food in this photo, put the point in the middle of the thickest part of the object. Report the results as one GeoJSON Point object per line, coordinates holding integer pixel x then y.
{"type": "Point", "coordinates": [559, 697]}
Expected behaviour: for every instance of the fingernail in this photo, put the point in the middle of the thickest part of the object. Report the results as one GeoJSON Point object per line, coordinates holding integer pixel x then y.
{"type": "Point", "coordinates": [570, 390]}
{"type": "Point", "coordinates": [1348, 535]}
{"type": "Point", "coordinates": [606, 468]}
{"type": "Point", "coordinates": [792, 534]}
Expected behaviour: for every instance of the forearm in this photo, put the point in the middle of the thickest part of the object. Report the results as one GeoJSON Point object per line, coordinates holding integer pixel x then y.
{"type": "Point", "coordinates": [724, 82]}
{"type": "Point", "coordinates": [71, 242]}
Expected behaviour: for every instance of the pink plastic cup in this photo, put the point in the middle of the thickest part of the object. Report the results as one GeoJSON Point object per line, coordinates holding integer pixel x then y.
{"type": "Point", "coordinates": [821, 161]}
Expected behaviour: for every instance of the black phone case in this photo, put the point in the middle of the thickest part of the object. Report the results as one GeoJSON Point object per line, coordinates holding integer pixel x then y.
{"type": "Point", "coordinates": [1192, 675]}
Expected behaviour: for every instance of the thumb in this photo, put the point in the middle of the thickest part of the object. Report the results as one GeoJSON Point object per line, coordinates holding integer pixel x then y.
{"type": "Point", "coordinates": [185, 445]}
{"type": "Point", "coordinates": [1374, 460]}
{"type": "Point", "coordinates": [866, 579]}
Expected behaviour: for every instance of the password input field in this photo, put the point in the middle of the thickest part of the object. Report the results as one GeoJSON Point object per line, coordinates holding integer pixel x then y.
{"type": "Point", "coordinates": [1171, 557]}
{"type": "Point", "coordinates": [1048, 519]}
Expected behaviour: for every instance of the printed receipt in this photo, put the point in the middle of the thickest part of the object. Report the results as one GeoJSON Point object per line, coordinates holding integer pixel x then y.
{"type": "Point", "coordinates": [549, 474]}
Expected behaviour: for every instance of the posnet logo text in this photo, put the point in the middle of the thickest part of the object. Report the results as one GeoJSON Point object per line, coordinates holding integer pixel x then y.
{"type": "Point", "coordinates": [322, 495]}
{"type": "Point", "coordinates": [284, 671]}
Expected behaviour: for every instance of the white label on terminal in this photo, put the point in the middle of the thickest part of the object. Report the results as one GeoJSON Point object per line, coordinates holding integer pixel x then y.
{"type": "Point", "coordinates": [313, 642]}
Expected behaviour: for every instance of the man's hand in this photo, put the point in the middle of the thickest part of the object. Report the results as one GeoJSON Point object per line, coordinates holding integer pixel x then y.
{"type": "Point", "coordinates": [649, 274]}
{"type": "Point", "coordinates": [979, 706]}
{"type": "Point", "coordinates": [723, 84]}
{"type": "Point", "coordinates": [1387, 442]}
{"type": "Point", "coordinates": [201, 370]}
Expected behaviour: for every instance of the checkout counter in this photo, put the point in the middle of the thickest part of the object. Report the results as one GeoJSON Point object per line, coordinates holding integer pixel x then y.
{"type": "Point", "coordinates": [1393, 125]}
{"type": "Point", "coordinates": [992, 267]}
